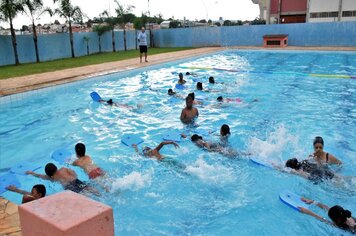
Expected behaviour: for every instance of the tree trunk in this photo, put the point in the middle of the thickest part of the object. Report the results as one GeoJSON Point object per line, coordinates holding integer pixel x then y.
{"type": "Point", "coordinates": [35, 41]}
{"type": "Point", "coordinates": [99, 44]}
{"type": "Point", "coordinates": [113, 40]}
{"type": "Point", "coordinates": [71, 39]}
{"type": "Point", "coordinates": [14, 43]}
{"type": "Point", "coordinates": [88, 48]}
{"type": "Point", "coordinates": [125, 39]}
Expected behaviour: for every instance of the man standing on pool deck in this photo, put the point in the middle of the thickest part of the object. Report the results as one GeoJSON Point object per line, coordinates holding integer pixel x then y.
{"type": "Point", "coordinates": [189, 112]}
{"type": "Point", "coordinates": [142, 42]}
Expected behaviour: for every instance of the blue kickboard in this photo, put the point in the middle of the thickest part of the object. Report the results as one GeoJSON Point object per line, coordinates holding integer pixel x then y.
{"type": "Point", "coordinates": [180, 86]}
{"type": "Point", "coordinates": [260, 162]}
{"type": "Point", "coordinates": [21, 169]}
{"type": "Point", "coordinates": [61, 155]}
{"type": "Point", "coordinates": [293, 200]}
{"type": "Point", "coordinates": [129, 139]}
{"type": "Point", "coordinates": [95, 96]}
{"type": "Point", "coordinates": [6, 180]}
{"type": "Point", "coordinates": [173, 136]}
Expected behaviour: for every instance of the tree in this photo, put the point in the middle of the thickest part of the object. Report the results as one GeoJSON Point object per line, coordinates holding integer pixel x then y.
{"type": "Point", "coordinates": [70, 13]}
{"type": "Point", "coordinates": [217, 24]}
{"type": "Point", "coordinates": [174, 24]}
{"type": "Point", "coordinates": [101, 29]}
{"type": "Point", "coordinates": [111, 21]}
{"type": "Point", "coordinates": [34, 9]}
{"type": "Point", "coordinates": [8, 10]}
{"type": "Point", "coordinates": [227, 23]}
{"type": "Point", "coordinates": [56, 22]}
{"type": "Point", "coordinates": [86, 40]}
{"type": "Point", "coordinates": [124, 15]}
{"type": "Point", "coordinates": [202, 21]}
{"type": "Point", "coordinates": [258, 21]}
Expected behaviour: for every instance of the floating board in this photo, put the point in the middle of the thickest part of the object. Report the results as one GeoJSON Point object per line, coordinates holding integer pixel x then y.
{"type": "Point", "coordinates": [6, 180]}
{"type": "Point", "coordinates": [61, 155]}
{"type": "Point", "coordinates": [21, 169]}
{"type": "Point", "coordinates": [260, 162]}
{"type": "Point", "coordinates": [129, 139]}
{"type": "Point", "coordinates": [293, 200]}
{"type": "Point", "coordinates": [180, 86]}
{"type": "Point", "coordinates": [95, 96]}
{"type": "Point", "coordinates": [173, 136]}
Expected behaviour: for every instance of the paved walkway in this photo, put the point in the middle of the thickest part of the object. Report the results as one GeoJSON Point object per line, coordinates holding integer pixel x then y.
{"type": "Point", "coordinates": [36, 81]}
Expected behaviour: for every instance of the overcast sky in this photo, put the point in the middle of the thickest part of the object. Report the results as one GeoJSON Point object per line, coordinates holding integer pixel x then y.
{"type": "Point", "coordinates": [191, 9]}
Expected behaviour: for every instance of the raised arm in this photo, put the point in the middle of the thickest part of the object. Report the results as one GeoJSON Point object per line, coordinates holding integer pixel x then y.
{"type": "Point", "coordinates": [13, 188]}
{"type": "Point", "coordinates": [165, 143]}
{"type": "Point", "coordinates": [45, 177]}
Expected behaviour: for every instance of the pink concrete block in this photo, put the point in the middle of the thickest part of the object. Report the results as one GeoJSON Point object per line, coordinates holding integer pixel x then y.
{"type": "Point", "coordinates": [66, 213]}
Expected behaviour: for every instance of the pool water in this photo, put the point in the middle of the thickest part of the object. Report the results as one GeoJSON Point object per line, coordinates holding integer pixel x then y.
{"type": "Point", "coordinates": [195, 192]}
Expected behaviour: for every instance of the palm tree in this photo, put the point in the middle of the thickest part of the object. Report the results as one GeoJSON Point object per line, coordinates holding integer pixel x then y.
{"type": "Point", "coordinates": [124, 14]}
{"type": "Point", "coordinates": [70, 13]}
{"type": "Point", "coordinates": [8, 10]}
{"type": "Point", "coordinates": [111, 21]}
{"type": "Point", "coordinates": [101, 29]}
{"type": "Point", "coordinates": [34, 9]}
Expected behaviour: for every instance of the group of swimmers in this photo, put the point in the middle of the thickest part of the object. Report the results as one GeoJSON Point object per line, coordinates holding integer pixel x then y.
{"type": "Point", "coordinates": [314, 168]}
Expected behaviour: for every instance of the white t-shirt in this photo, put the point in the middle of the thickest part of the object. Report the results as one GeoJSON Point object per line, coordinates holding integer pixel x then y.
{"type": "Point", "coordinates": [142, 39]}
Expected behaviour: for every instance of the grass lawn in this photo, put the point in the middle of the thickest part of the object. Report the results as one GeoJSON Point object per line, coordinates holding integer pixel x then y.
{"type": "Point", "coordinates": [34, 68]}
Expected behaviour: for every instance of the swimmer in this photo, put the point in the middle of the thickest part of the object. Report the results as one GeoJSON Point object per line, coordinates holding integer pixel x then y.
{"type": "Point", "coordinates": [195, 102]}
{"type": "Point", "coordinates": [189, 113]}
{"type": "Point", "coordinates": [340, 217]}
{"type": "Point", "coordinates": [227, 100]}
{"type": "Point", "coordinates": [224, 134]}
{"type": "Point", "coordinates": [174, 94]}
{"type": "Point", "coordinates": [212, 80]}
{"type": "Point", "coordinates": [66, 177]}
{"type": "Point", "coordinates": [320, 156]}
{"type": "Point", "coordinates": [191, 73]}
{"type": "Point", "coordinates": [154, 153]}
{"type": "Point", "coordinates": [309, 170]}
{"type": "Point", "coordinates": [200, 88]}
{"type": "Point", "coordinates": [111, 103]}
{"type": "Point", "coordinates": [212, 147]}
{"type": "Point", "coordinates": [181, 80]}
{"type": "Point", "coordinates": [86, 163]}
{"type": "Point", "coordinates": [38, 191]}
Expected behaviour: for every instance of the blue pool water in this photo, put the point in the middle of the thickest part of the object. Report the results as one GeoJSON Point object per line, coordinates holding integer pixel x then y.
{"type": "Point", "coordinates": [194, 192]}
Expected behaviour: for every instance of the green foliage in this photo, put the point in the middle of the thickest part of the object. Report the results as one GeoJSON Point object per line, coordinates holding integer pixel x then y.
{"type": "Point", "coordinates": [35, 68]}
{"type": "Point", "coordinates": [9, 9]}
{"type": "Point", "coordinates": [68, 11]}
{"type": "Point", "coordinates": [174, 24]}
{"type": "Point", "coordinates": [101, 29]}
{"type": "Point", "coordinates": [258, 21]}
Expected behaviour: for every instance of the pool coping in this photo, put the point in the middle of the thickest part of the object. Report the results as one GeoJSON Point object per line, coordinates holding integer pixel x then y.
{"type": "Point", "coordinates": [37, 81]}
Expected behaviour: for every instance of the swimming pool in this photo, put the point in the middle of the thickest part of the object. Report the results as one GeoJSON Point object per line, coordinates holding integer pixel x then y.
{"type": "Point", "coordinates": [195, 192]}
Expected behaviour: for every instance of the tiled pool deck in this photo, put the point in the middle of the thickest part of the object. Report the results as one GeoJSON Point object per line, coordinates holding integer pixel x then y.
{"type": "Point", "coordinates": [9, 218]}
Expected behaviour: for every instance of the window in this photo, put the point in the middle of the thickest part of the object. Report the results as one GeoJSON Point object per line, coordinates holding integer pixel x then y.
{"type": "Point", "coordinates": [348, 13]}
{"type": "Point", "coordinates": [273, 42]}
{"type": "Point", "coordinates": [330, 14]}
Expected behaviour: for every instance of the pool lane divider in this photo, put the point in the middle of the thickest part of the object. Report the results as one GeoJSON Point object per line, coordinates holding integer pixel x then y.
{"type": "Point", "coordinates": [282, 73]}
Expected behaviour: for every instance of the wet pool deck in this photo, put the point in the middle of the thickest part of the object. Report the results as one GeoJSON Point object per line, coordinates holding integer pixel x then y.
{"type": "Point", "coordinates": [36, 81]}
{"type": "Point", "coordinates": [9, 218]}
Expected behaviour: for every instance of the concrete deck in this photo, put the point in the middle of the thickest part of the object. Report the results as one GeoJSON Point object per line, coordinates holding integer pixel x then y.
{"type": "Point", "coordinates": [36, 81]}
{"type": "Point", "coordinates": [9, 219]}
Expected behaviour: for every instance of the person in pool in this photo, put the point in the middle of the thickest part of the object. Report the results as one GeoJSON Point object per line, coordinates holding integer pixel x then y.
{"type": "Point", "coordinates": [174, 94]}
{"type": "Point", "coordinates": [181, 80]}
{"type": "Point", "coordinates": [212, 147]}
{"type": "Point", "coordinates": [212, 80]}
{"type": "Point", "coordinates": [224, 134]}
{"type": "Point", "coordinates": [195, 102]}
{"type": "Point", "coordinates": [200, 88]}
{"type": "Point", "coordinates": [309, 170]}
{"type": "Point", "coordinates": [65, 176]}
{"type": "Point", "coordinates": [154, 153]}
{"type": "Point", "coordinates": [340, 217]}
{"type": "Point", "coordinates": [38, 191]}
{"type": "Point", "coordinates": [189, 113]}
{"type": "Point", "coordinates": [320, 156]}
{"type": "Point", "coordinates": [110, 102]}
